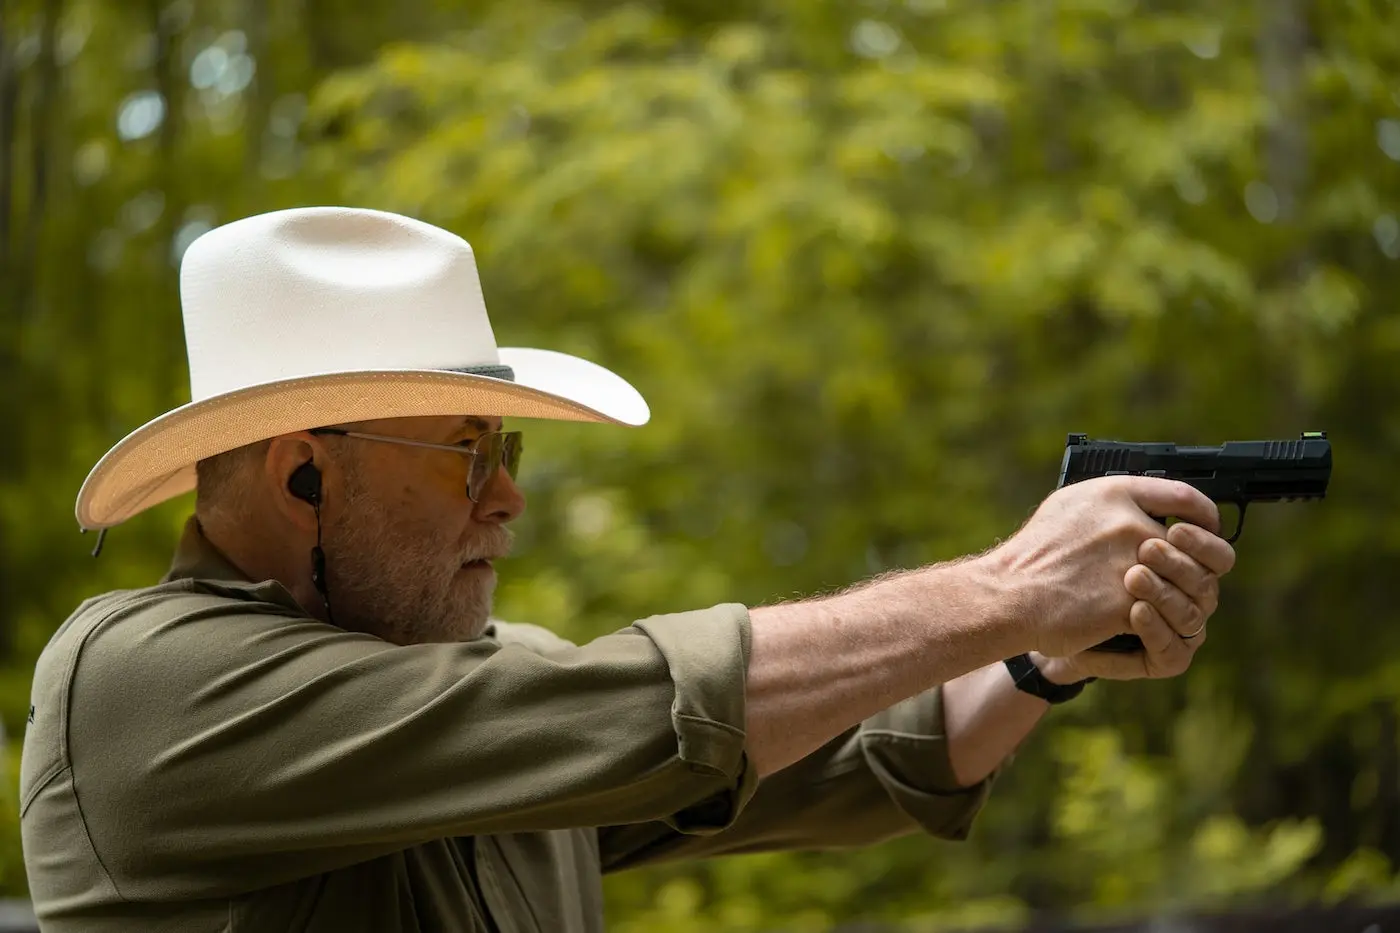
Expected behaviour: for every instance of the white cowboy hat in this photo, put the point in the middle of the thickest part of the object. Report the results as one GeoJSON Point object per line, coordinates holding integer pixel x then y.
{"type": "Point", "coordinates": [318, 316]}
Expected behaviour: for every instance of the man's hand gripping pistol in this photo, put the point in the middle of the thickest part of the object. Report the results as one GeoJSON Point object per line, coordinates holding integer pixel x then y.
{"type": "Point", "coordinates": [1238, 472]}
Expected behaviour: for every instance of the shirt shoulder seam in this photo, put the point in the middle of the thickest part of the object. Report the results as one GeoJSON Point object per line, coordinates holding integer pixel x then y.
{"type": "Point", "coordinates": [65, 701]}
{"type": "Point", "coordinates": [92, 844]}
{"type": "Point", "coordinates": [48, 778]}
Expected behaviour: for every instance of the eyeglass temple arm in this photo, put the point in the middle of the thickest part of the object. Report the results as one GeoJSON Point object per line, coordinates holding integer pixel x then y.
{"type": "Point", "coordinates": [338, 432]}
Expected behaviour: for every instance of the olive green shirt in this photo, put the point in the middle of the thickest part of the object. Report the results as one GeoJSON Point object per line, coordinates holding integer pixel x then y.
{"type": "Point", "coordinates": [204, 756]}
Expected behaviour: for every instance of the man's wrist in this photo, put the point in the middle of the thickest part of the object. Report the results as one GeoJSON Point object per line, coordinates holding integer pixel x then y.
{"type": "Point", "coordinates": [1014, 612]}
{"type": "Point", "coordinates": [1028, 678]}
{"type": "Point", "coordinates": [1004, 605]}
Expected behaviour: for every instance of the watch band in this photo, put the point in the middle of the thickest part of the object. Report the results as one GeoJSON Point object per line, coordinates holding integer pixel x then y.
{"type": "Point", "coordinates": [1029, 679]}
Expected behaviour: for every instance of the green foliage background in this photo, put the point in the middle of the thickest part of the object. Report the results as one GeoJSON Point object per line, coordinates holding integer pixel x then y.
{"type": "Point", "coordinates": [869, 262]}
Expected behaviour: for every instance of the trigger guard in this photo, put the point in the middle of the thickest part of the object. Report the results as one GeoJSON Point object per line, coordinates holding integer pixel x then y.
{"type": "Point", "coordinates": [1239, 528]}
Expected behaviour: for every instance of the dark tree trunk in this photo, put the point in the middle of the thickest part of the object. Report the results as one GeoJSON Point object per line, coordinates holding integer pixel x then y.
{"type": "Point", "coordinates": [41, 121]}
{"type": "Point", "coordinates": [9, 101]}
{"type": "Point", "coordinates": [9, 361]}
{"type": "Point", "coordinates": [262, 92]}
{"type": "Point", "coordinates": [1283, 38]}
{"type": "Point", "coordinates": [169, 351]}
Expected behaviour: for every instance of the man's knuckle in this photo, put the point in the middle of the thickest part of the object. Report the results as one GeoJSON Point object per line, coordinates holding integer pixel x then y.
{"type": "Point", "coordinates": [1152, 583]}
{"type": "Point", "coordinates": [1126, 525]}
{"type": "Point", "coordinates": [1202, 582]}
{"type": "Point", "coordinates": [1191, 501]}
{"type": "Point", "coordinates": [1192, 538]}
{"type": "Point", "coordinates": [1199, 582]}
{"type": "Point", "coordinates": [1158, 550]}
{"type": "Point", "coordinates": [1182, 533]}
{"type": "Point", "coordinates": [1167, 586]}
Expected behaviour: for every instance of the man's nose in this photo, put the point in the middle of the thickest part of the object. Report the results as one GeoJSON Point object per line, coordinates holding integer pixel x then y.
{"type": "Point", "coordinates": [501, 501]}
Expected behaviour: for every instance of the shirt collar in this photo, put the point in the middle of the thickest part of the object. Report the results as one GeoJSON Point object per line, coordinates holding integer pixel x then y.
{"type": "Point", "coordinates": [197, 559]}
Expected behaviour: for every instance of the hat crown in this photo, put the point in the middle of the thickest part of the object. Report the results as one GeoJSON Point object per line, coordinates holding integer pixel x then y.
{"type": "Point", "coordinates": [310, 291]}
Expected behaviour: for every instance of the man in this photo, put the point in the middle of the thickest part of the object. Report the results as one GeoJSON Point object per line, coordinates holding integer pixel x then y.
{"type": "Point", "coordinates": [312, 724]}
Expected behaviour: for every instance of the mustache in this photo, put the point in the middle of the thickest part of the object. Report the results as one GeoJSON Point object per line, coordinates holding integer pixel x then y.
{"type": "Point", "coordinates": [491, 544]}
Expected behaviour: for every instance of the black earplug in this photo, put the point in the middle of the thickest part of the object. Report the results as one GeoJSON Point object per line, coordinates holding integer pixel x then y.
{"type": "Point", "coordinates": [305, 483]}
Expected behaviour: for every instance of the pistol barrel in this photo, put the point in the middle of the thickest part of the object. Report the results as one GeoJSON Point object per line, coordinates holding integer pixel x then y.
{"type": "Point", "coordinates": [1236, 471]}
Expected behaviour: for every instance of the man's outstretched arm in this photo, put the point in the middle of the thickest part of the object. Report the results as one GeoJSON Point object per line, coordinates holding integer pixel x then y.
{"type": "Point", "coordinates": [1059, 586]}
{"type": "Point", "coordinates": [922, 763]}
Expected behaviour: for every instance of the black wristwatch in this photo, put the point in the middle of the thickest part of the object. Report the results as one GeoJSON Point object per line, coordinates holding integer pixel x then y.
{"type": "Point", "coordinates": [1029, 679]}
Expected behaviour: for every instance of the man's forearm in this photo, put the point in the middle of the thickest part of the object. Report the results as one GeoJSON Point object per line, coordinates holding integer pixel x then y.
{"type": "Point", "coordinates": [821, 666]}
{"type": "Point", "coordinates": [985, 718]}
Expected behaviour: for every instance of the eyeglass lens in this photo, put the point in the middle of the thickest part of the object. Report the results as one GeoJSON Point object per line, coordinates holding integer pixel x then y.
{"type": "Point", "coordinates": [492, 452]}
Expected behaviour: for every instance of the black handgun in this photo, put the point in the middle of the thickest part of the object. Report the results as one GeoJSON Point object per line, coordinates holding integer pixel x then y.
{"type": "Point", "coordinates": [1238, 472]}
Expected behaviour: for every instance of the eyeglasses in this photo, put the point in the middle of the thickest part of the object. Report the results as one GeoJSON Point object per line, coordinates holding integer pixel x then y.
{"type": "Point", "coordinates": [488, 453]}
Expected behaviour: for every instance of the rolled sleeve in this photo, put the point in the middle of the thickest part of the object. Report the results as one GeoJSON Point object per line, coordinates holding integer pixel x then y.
{"type": "Point", "coordinates": [707, 654]}
{"type": "Point", "coordinates": [906, 749]}
{"type": "Point", "coordinates": [889, 776]}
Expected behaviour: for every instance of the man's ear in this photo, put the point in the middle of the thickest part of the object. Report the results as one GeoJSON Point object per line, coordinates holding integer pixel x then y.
{"type": "Point", "coordinates": [295, 469]}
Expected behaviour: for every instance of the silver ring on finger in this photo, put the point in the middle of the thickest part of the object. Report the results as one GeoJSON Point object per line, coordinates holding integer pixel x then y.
{"type": "Point", "coordinates": [1196, 632]}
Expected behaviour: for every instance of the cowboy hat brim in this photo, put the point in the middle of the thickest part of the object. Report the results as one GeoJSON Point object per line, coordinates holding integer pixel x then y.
{"type": "Point", "coordinates": [157, 461]}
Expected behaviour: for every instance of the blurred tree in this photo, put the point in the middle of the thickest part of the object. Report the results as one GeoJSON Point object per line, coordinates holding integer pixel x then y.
{"type": "Point", "coordinates": [869, 262]}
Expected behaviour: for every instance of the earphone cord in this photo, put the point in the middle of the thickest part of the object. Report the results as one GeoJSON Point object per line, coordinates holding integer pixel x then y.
{"type": "Point", "coordinates": [318, 569]}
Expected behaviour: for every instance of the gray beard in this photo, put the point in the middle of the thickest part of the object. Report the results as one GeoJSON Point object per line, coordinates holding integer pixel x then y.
{"type": "Point", "coordinates": [390, 578]}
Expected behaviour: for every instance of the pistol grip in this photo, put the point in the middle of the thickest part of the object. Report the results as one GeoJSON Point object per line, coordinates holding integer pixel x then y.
{"type": "Point", "coordinates": [1120, 644]}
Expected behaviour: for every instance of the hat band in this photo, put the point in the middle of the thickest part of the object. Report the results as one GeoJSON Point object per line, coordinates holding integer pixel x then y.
{"type": "Point", "coordinates": [494, 370]}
